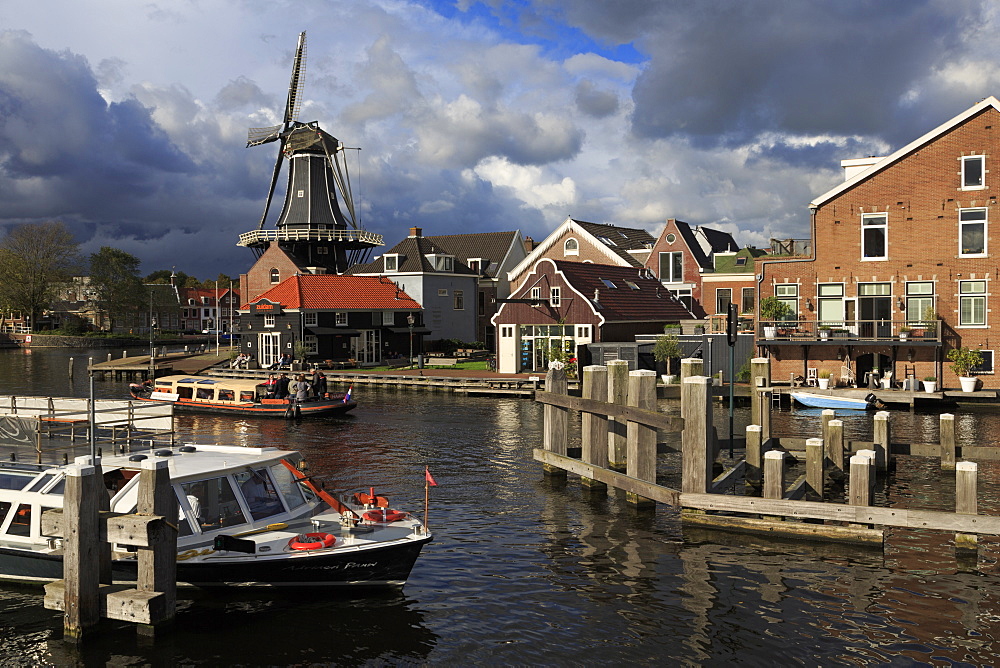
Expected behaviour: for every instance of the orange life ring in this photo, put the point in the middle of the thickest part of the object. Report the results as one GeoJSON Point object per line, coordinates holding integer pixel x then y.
{"type": "Point", "coordinates": [312, 541]}
{"type": "Point", "coordinates": [390, 516]}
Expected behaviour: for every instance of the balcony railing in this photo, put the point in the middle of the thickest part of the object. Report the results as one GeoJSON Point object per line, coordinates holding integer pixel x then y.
{"type": "Point", "coordinates": [865, 331]}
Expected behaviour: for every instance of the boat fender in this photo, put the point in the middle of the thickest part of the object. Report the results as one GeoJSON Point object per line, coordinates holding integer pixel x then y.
{"type": "Point", "coordinates": [312, 541]}
{"type": "Point", "coordinates": [390, 516]}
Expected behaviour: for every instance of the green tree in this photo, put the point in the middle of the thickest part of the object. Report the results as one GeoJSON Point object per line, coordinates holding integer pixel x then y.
{"type": "Point", "coordinates": [114, 276]}
{"type": "Point", "coordinates": [34, 259]}
{"type": "Point", "coordinates": [667, 348]}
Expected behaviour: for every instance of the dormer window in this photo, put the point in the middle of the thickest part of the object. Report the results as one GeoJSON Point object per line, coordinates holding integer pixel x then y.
{"type": "Point", "coordinates": [391, 262]}
{"type": "Point", "coordinates": [571, 247]}
{"type": "Point", "coordinates": [275, 276]}
{"type": "Point", "coordinates": [607, 241]}
{"type": "Point", "coordinates": [441, 262]}
{"type": "Point", "coordinates": [478, 265]}
{"type": "Point", "coordinates": [973, 172]}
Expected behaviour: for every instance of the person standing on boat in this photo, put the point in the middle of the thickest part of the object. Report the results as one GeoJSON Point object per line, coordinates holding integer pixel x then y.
{"type": "Point", "coordinates": [281, 387]}
{"type": "Point", "coordinates": [319, 384]}
{"type": "Point", "coordinates": [302, 387]}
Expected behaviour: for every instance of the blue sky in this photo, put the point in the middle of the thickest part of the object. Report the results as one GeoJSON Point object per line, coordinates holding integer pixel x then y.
{"type": "Point", "coordinates": [128, 120]}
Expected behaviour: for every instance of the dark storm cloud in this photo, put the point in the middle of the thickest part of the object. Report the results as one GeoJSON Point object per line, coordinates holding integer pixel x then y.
{"type": "Point", "coordinates": [595, 102]}
{"type": "Point", "coordinates": [722, 71]}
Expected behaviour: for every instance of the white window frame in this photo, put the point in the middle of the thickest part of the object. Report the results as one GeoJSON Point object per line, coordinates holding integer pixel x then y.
{"type": "Point", "coordinates": [962, 224]}
{"type": "Point", "coordinates": [788, 293]}
{"type": "Point", "coordinates": [971, 300]}
{"type": "Point", "coordinates": [536, 293]}
{"type": "Point", "coordinates": [459, 296]}
{"type": "Point", "coordinates": [672, 276]}
{"type": "Point", "coordinates": [981, 159]}
{"type": "Point", "coordinates": [987, 368]}
{"type": "Point", "coordinates": [311, 342]}
{"type": "Point", "coordinates": [310, 319]}
{"type": "Point", "coordinates": [883, 226]}
{"type": "Point", "coordinates": [555, 297]}
{"type": "Point", "coordinates": [571, 247]}
{"type": "Point", "coordinates": [583, 332]}
{"type": "Point", "coordinates": [441, 262]}
{"type": "Point", "coordinates": [390, 263]}
{"type": "Point", "coordinates": [388, 318]}
{"type": "Point", "coordinates": [269, 320]}
{"type": "Point", "coordinates": [274, 276]}
{"type": "Point", "coordinates": [719, 293]}
{"type": "Point", "coordinates": [340, 319]}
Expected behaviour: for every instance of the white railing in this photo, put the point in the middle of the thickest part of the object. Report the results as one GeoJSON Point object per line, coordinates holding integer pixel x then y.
{"type": "Point", "coordinates": [258, 237]}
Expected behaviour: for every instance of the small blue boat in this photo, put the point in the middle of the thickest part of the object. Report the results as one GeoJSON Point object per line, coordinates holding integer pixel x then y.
{"type": "Point", "coordinates": [812, 400]}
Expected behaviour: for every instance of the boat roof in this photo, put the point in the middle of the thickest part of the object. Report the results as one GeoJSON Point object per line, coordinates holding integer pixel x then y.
{"type": "Point", "coordinates": [195, 461]}
{"type": "Point", "coordinates": [208, 381]}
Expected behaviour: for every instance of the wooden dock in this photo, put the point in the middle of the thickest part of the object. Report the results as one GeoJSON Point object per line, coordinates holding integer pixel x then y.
{"type": "Point", "coordinates": [752, 493]}
{"type": "Point", "coordinates": [138, 367]}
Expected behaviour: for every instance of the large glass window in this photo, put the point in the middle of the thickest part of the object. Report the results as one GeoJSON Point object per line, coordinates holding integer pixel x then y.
{"type": "Point", "coordinates": [259, 492]}
{"type": "Point", "coordinates": [391, 262]}
{"type": "Point", "coordinates": [213, 503]}
{"type": "Point", "coordinates": [555, 297]}
{"type": "Point", "coordinates": [746, 305]}
{"type": "Point", "coordinates": [290, 490]}
{"type": "Point", "coordinates": [830, 303]}
{"type": "Point", "coordinates": [920, 302]}
{"type": "Point", "coordinates": [788, 293]}
{"type": "Point", "coordinates": [459, 296]}
{"type": "Point", "coordinates": [971, 303]}
{"type": "Point", "coordinates": [973, 170]}
{"type": "Point", "coordinates": [672, 267]}
{"type": "Point", "coordinates": [874, 230]}
{"type": "Point", "coordinates": [972, 232]}
{"type": "Point", "coordinates": [723, 297]}
{"type": "Point", "coordinates": [571, 247]}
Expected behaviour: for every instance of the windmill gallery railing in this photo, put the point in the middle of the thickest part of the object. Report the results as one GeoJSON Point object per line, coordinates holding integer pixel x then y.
{"type": "Point", "coordinates": [618, 436]}
{"type": "Point", "coordinates": [258, 237]}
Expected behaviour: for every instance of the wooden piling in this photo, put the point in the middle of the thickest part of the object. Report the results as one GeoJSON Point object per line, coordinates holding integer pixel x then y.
{"type": "Point", "coordinates": [156, 580]}
{"type": "Point", "coordinates": [815, 458]}
{"type": "Point", "coordinates": [81, 561]}
{"type": "Point", "coordinates": [754, 455]}
{"type": "Point", "coordinates": [556, 418]}
{"type": "Point", "coordinates": [594, 426]}
{"type": "Point", "coordinates": [760, 399]}
{"type": "Point", "coordinates": [71, 368]}
{"type": "Point", "coordinates": [835, 445]}
{"type": "Point", "coordinates": [774, 474]}
{"type": "Point", "coordinates": [860, 489]}
{"type": "Point", "coordinates": [696, 439]}
{"type": "Point", "coordinates": [825, 417]}
{"type": "Point", "coordinates": [882, 438]}
{"type": "Point", "coordinates": [617, 433]}
{"type": "Point", "coordinates": [641, 446]}
{"type": "Point", "coordinates": [966, 502]}
{"type": "Point", "coordinates": [947, 422]}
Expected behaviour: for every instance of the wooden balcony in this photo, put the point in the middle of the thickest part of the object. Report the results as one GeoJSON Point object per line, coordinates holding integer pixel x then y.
{"type": "Point", "coordinates": [883, 332]}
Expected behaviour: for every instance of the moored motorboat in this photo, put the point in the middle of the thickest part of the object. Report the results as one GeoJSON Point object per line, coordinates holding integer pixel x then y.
{"type": "Point", "coordinates": [229, 396]}
{"type": "Point", "coordinates": [815, 400]}
{"type": "Point", "coordinates": [247, 517]}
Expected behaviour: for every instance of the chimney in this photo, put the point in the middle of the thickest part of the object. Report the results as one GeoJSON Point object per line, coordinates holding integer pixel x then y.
{"type": "Point", "coordinates": [597, 295]}
{"type": "Point", "coordinates": [529, 244]}
{"type": "Point", "coordinates": [416, 232]}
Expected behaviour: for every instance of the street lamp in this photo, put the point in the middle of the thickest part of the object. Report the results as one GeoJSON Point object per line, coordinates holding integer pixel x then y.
{"type": "Point", "coordinates": [409, 321]}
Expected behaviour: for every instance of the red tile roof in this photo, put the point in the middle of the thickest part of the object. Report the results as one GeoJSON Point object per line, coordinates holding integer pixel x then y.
{"type": "Point", "coordinates": [332, 292]}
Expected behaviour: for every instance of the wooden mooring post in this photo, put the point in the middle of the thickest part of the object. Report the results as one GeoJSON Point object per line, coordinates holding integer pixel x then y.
{"type": "Point", "coordinates": [85, 593]}
{"type": "Point", "coordinates": [641, 438]}
{"type": "Point", "coordinates": [774, 507]}
{"type": "Point", "coordinates": [594, 430]}
{"type": "Point", "coordinates": [617, 394]}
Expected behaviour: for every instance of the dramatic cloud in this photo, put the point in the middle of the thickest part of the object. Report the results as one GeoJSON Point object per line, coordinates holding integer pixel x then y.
{"type": "Point", "coordinates": [469, 116]}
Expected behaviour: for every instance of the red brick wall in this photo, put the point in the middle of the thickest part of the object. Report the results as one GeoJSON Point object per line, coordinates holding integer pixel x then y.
{"type": "Point", "coordinates": [691, 270]}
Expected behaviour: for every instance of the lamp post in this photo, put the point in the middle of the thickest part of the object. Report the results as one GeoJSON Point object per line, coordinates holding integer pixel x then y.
{"type": "Point", "coordinates": [152, 348]}
{"type": "Point", "coordinates": [409, 322]}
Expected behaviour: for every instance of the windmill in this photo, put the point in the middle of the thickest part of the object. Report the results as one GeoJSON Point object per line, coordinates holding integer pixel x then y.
{"type": "Point", "coordinates": [313, 227]}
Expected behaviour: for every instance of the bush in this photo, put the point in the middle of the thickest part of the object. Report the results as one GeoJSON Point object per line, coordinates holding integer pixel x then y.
{"type": "Point", "coordinates": [964, 360]}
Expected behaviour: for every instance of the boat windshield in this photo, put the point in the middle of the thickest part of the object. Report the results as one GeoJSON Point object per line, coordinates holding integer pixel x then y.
{"type": "Point", "coordinates": [290, 490]}
{"type": "Point", "coordinates": [15, 479]}
{"type": "Point", "coordinates": [260, 493]}
{"type": "Point", "coordinates": [213, 503]}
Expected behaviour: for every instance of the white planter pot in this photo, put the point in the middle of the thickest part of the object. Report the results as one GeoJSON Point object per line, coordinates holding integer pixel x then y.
{"type": "Point", "coordinates": [770, 332]}
{"type": "Point", "coordinates": [930, 386]}
{"type": "Point", "coordinates": [968, 383]}
{"type": "Point", "coordinates": [824, 334]}
{"type": "Point", "coordinates": [824, 383]}
{"type": "Point", "coordinates": [903, 336]}
{"type": "Point", "coordinates": [668, 379]}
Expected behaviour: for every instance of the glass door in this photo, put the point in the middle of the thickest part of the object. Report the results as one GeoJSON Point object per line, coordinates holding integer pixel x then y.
{"type": "Point", "coordinates": [369, 350]}
{"type": "Point", "coordinates": [269, 348]}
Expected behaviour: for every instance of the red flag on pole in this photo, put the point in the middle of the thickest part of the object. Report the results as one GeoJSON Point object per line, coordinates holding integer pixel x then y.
{"type": "Point", "coordinates": [428, 477]}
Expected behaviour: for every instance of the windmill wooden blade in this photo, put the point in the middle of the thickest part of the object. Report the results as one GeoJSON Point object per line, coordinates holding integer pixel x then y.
{"type": "Point", "coordinates": [295, 84]}
{"type": "Point", "coordinates": [258, 136]}
{"type": "Point", "coordinates": [270, 192]}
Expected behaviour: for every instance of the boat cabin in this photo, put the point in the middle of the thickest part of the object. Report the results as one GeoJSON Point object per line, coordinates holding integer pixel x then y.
{"type": "Point", "coordinates": [198, 388]}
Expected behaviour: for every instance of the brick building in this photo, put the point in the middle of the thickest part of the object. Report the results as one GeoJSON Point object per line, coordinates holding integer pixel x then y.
{"type": "Point", "coordinates": [903, 266]}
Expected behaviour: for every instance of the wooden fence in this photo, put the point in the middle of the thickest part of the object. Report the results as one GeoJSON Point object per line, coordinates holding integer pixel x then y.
{"type": "Point", "coordinates": [619, 420]}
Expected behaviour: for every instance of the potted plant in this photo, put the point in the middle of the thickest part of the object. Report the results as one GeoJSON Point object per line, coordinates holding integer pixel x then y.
{"type": "Point", "coordinates": [823, 378]}
{"type": "Point", "coordinates": [772, 309]}
{"type": "Point", "coordinates": [963, 361]}
{"type": "Point", "coordinates": [824, 332]}
{"type": "Point", "coordinates": [904, 332]}
{"type": "Point", "coordinates": [300, 350]}
{"type": "Point", "coordinates": [930, 384]}
{"type": "Point", "coordinates": [667, 348]}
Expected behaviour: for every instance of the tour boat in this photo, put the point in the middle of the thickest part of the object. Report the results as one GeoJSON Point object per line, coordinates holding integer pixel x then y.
{"type": "Point", "coordinates": [814, 400]}
{"type": "Point", "coordinates": [229, 396]}
{"type": "Point", "coordinates": [247, 517]}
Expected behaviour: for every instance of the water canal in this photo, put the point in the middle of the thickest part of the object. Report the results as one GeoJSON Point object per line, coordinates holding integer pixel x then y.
{"type": "Point", "coordinates": [524, 572]}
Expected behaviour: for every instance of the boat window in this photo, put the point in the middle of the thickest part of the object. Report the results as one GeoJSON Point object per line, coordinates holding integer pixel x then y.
{"type": "Point", "coordinates": [4, 507]}
{"type": "Point", "coordinates": [214, 503]}
{"type": "Point", "coordinates": [247, 395]}
{"type": "Point", "coordinates": [287, 486]}
{"type": "Point", "coordinates": [41, 482]}
{"type": "Point", "coordinates": [13, 480]}
{"type": "Point", "coordinates": [183, 525]}
{"type": "Point", "coordinates": [59, 487]}
{"type": "Point", "coordinates": [259, 492]}
{"type": "Point", "coordinates": [204, 393]}
{"type": "Point", "coordinates": [20, 525]}
{"type": "Point", "coordinates": [165, 388]}
{"type": "Point", "coordinates": [184, 392]}
{"type": "Point", "coordinates": [226, 395]}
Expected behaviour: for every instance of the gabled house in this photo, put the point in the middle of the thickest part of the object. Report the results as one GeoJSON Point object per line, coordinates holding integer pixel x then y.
{"type": "Point", "coordinates": [208, 309]}
{"type": "Point", "coordinates": [733, 280]}
{"type": "Point", "coordinates": [580, 241]}
{"type": "Point", "coordinates": [491, 255]}
{"type": "Point", "coordinates": [440, 282]}
{"type": "Point", "coordinates": [682, 255]}
{"type": "Point", "coordinates": [903, 268]}
{"type": "Point", "coordinates": [570, 304]}
{"type": "Point", "coordinates": [364, 318]}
